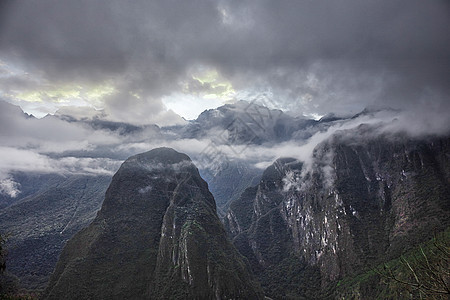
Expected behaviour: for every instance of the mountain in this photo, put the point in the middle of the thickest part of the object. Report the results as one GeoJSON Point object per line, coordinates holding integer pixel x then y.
{"type": "Point", "coordinates": [157, 236]}
{"type": "Point", "coordinates": [230, 182]}
{"type": "Point", "coordinates": [120, 128]}
{"type": "Point", "coordinates": [37, 226]}
{"type": "Point", "coordinates": [26, 184]}
{"type": "Point", "coordinates": [237, 127]}
{"type": "Point", "coordinates": [69, 199]}
{"type": "Point", "coordinates": [364, 199]}
{"type": "Point", "coordinates": [8, 111]}
{"type": "Point", "coordinates": [245, 123]}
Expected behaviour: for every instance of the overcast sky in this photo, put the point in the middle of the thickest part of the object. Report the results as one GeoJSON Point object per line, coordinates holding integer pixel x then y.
{"type": "Point", "coordinates": [157, 62]}
{"type": "Point", "coordinates": [145, 61]}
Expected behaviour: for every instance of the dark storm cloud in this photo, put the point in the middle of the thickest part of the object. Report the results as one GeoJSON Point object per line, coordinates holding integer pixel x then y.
{"type": "Point", "coordinates": [314, 55]}
{"type": "Point", "coordinates": [104, 38]}
{"type": "Point", "coordinates": [359, 51]}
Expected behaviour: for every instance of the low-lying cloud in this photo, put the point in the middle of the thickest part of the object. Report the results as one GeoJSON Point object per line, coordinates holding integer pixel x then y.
{"type": "Point", "coordinates": [53, 145]}
{"type": "Point", "coordinates": [33, 162]}
{"type": "Point", "coordinates": [9, 187]}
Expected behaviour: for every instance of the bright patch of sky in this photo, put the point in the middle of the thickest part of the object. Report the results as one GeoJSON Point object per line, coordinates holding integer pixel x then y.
{"type": "Point", "coordinates": [47, 100]}
{"type": "Point", "coordinates": [314, 116]}
{"type": "Point", "coordinates": [39, 97]}
{"type": "Point", "coordinates": [204, 89]}
{"type": "Point", "coordinates": [189, 106]}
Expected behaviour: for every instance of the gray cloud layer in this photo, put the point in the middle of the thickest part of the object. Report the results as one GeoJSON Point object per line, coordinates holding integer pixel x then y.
{"type": "Point", "coordinates": [311, 56]}
{"type": "Point", "coordinates": [54, 145]}
{"type": "Point", "coordinates": [303, 56]}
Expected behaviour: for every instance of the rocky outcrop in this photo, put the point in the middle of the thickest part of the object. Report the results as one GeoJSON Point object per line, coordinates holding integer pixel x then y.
{"type": "Point", "coordinates": [157, 236]}
{"type": "Point", "coordinates": [365, 198]}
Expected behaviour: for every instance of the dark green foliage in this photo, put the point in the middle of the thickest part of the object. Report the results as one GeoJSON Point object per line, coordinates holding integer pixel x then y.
{"type": "Point", "coordinates": [291, 278]}
{"type": "Point", "coordinates": [424, 271]}
{"type": "Point", "coordinates": [157, 236]}
{"type": "Point", "coordinates": [271, 235]}
{"type": "Point", "coordinates": [40, 224]}
{"type": "Point", "coordinates": [242, 212]}
{"type": "Point", "coordinates": [2, 256]}
{"type": "Point", "coordinates": [368, 198]}
{"type": "Point", "coordinates": [396, 278]}
{"type": "Point", "coordinates": [19, 297]}
{"type": "Point", "coordinates": [9, 283]}
{"type": "Point", "coordinates": [30, 184]}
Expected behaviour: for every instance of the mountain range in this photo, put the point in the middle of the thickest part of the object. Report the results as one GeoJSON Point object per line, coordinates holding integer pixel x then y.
{"type": "Point", "coordinates": [363, 201]}
{"type": "Point", "coordinates": [345, 195]}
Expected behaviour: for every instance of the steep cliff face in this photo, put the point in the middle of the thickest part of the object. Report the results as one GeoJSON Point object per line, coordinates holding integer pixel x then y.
{"type": "Point", "coordinates": [361, 201]}
{"type": "Point", "coordinates": [157, 236]}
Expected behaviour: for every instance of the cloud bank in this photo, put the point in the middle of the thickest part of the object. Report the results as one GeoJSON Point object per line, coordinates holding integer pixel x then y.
{"type": "Point", "coordinates": [148, 62]}
{"type": "Point", "coordinates": [67, 146]}
{"type": "Point", "coordinates": [309, 57]}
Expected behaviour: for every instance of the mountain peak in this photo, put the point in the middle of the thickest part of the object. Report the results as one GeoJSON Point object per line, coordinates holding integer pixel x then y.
{"type": "Point", "coordinates": [164, 155]}
{"type": "Point", "coordinates": [157, 236]}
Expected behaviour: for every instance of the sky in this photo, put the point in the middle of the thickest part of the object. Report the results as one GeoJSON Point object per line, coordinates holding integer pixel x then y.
{"type": "Point", "coordinates": [148, 62]}
{"type": "Point", "coordinates": [164, 62]}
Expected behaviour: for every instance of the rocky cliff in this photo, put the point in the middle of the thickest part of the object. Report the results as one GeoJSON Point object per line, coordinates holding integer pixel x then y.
{"type": "Point", "coordinates": [363, 199]}
{"type": "Point", "coordinates": [157, 236]}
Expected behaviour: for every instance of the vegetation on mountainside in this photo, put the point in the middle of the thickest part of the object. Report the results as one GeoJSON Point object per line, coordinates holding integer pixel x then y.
{"type": "Point", "coordinates": [425, 271]}
{"type": "Point", "coordinates": [2, 256]}
{"type": "Point", "coordinates": [291, 278]}
{"type": "Point", "coordinates": [421, 273]}
{"type": "Point", "coordinates": [157, 236]}
{"type": "Point", "coordinates": [8, 283]}
{"type": "Point", "coordinates": [378, 200]}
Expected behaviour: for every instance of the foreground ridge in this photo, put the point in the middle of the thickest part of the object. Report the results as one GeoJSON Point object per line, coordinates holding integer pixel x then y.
{"type": "Point", "coordinates": [157, 236]}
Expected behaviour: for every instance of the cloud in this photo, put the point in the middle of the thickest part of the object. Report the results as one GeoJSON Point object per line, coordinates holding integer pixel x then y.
{"type": "Point", "coordinates": [31, 162]}
{"type": "Point", "coordinates": [137, 109]}
{"type": "Point", "coordinates": [9, 187]}
{"type": "Point", "coordinates": [65, 146]}
{"type": "Point", "coordinates": [80, 112]}
{"type": "Point", "coordinates": [24, 160]}
{"type": "Point", "coordinates": [48, 145]}
{"type": "Point", "coordinates": [132, 61]}
{"type": "Point", "coordinates": [53, 145]}
{"type": "Point", "coordinates": [312, 56]}
{"type": "Point", "coordinates": [49, 134]}
{"type": "Point", "coordinates": [389, 123]}
{"type": "Point", "coordinates": [138, 46]}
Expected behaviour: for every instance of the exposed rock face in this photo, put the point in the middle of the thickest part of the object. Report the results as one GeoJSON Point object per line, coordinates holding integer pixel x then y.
{"type": "Point", "coordinates": [363, 201]}
{"type": "Point", "coordinates": [157, 236]}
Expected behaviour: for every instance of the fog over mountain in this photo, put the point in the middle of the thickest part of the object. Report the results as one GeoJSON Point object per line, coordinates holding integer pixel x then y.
{"type": "Point", "coordinates": [132, 62]}
{"type": "Point", "coordinates": [243, 131]}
